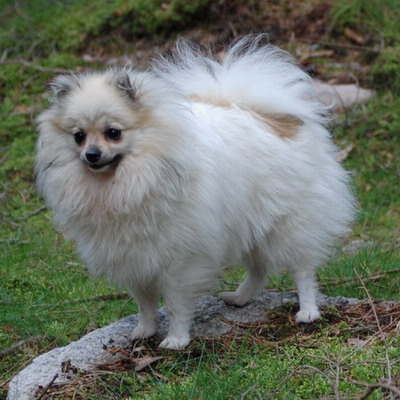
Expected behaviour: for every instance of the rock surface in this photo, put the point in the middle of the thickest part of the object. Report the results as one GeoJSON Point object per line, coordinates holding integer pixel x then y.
{"type": "Point", "coordinates": [213, 318]}
{"type": "Point", "coordinates": [357, 246]}
{"type": "Point", "coordinates": [343, 96]}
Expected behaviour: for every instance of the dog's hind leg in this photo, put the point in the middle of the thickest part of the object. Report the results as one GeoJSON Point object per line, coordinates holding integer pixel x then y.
{"type": "Point", "coordinates": [307, 293]}
{"type": "Point", "coordinates": [253, 283]}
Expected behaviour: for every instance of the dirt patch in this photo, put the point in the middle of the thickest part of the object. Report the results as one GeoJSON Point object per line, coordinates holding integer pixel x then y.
{"type": "Point", "coordinates": [363, 320]}
{"type": "Point", "coordinates": [217, 24]}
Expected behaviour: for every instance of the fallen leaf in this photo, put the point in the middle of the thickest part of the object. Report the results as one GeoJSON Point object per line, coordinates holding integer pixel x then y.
{"type": "Point", "coordinates": [343, 154]}
{"type": "Point", "coordinates": [23, 109]}
{"type": "Point", "coordinates": [358, 342]}
{"type": "Point", "coordinates": [144, 362]}
{"type": "Point", "coordinates": [138, 349]}
{"type": "Point", "coordinates": [118, 350]}
{"type": "Point", "coordinates": [305, 57]}
{"type": "Point", "coordinates": [354, 36]}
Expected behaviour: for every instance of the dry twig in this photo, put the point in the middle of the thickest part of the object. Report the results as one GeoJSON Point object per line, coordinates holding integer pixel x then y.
{"type": "Point", "coordinates": [101, 297]}
{"type": "Point", "coordinates": [373, 386]}
{"type": "Point", "coordinates": [371, 278]}
{"type": "Point", "coordinates": [32, 214]}
{"type": "Point", "coordinates": [18, 345]}
{"type": "Point", "coordinates": [48, 386]}
{"type": "Point", "coordinates": [383, 337]}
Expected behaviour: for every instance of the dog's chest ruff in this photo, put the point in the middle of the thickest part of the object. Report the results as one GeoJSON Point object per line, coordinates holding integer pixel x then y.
{"type": "Point", "coordinates": [125, 246]}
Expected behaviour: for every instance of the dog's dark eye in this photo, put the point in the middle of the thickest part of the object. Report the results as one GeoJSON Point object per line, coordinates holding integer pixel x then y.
{"type": "Point", "coordinates": [113, 134]}
{"type": "Point", "coordinates": [79, 137]}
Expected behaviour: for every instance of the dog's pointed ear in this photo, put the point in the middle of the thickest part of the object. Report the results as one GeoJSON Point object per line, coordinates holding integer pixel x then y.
{"type": "Point", "coordinates": [123, 82]}
{"type": "Point", "coordinates": [61, 85]}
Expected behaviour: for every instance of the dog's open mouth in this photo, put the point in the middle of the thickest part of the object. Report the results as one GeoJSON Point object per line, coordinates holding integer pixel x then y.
{"type": "Point", "coordinates": [111, 163]}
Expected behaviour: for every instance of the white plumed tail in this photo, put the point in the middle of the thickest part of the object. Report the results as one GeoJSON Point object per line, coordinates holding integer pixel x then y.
{"type": "Point", "coordinates": [261, 77]}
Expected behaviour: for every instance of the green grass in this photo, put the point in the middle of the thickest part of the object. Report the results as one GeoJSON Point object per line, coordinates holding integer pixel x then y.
{"type": "Point", "coordinates": [41, 276]}
{"type": "Point", "coordinates": [252, 374]}
{"type": "Point", "coordinates": [379, 16]}
{"type": "Point", "coordinates": [39, 28]}
{"type": "Point", "coordinates": [377, 21]}
{"type": "Point", "coordinates": [295, 365]}
{"type": "Point", "coordinates": [44, 274]}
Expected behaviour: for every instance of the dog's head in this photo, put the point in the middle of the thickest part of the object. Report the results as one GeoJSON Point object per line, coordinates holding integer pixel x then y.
{"type": "Point", "coordinates": [96, 111]}
{"type": "Point", "coordinates": [115, 127]}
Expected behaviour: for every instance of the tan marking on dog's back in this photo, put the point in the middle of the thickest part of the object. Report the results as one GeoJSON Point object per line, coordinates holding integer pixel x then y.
{"type": "Point", "coordinates": [284, 125]}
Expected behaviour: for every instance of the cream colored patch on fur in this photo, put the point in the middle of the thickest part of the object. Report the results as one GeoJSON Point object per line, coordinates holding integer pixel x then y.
{"type": "Point", "coordinates": [284, 125]}
{"type": "Point", "coordinates": [144, 118]}
{"type": "Point", "coordinates": [215, 102]}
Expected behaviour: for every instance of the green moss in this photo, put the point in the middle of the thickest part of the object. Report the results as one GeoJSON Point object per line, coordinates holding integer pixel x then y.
{"type": "Point", "coordinates": [378, 21]}
{"type": "Point", "coordinates": [386, 69]}
{"type": "Point", "coordinates": [375, 16]}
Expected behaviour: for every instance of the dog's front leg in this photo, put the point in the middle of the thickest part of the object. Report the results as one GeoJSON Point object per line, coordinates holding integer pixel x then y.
{"type": "Point", "coordinates": [182, 285]}
{"type": "Point", "coordinates": [180, 311]}
{"type": "Point", "coordinates": [147, 298]}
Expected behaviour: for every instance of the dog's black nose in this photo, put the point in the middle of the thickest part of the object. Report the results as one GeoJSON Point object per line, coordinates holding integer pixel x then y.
{"type": "Point", "coordinates": [93, 154]}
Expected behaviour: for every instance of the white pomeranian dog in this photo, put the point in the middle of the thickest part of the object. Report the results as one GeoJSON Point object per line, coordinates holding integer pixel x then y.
{"type": "Point", "coordinates": [164, 177]}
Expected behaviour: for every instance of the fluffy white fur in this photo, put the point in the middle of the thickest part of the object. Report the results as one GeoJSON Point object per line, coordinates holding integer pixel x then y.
{"type": "Point", "coordinates": [206, 178]}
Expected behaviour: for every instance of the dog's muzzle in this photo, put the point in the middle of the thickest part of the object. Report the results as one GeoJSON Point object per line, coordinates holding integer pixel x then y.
{"type": "Point", "coordinates": [94, 160]}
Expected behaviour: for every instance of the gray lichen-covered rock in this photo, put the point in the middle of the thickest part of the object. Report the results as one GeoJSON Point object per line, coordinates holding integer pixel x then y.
{"type": "Point", "coordinates": [341, 96]}
{"type": "Point", "coordinates": [357, 246]}
{"type": "Point", "coordinates": [213, 318]}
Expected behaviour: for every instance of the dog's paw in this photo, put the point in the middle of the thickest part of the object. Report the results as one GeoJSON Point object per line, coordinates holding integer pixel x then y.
{"type": "Point", "coordinates": [175, 342]}
{"type": "Point", "coordinates": [307, 315]}
{"type": "Point", "coordinates": [233, 299]}
{"type": "Point", "coordinates": [143, 331]}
